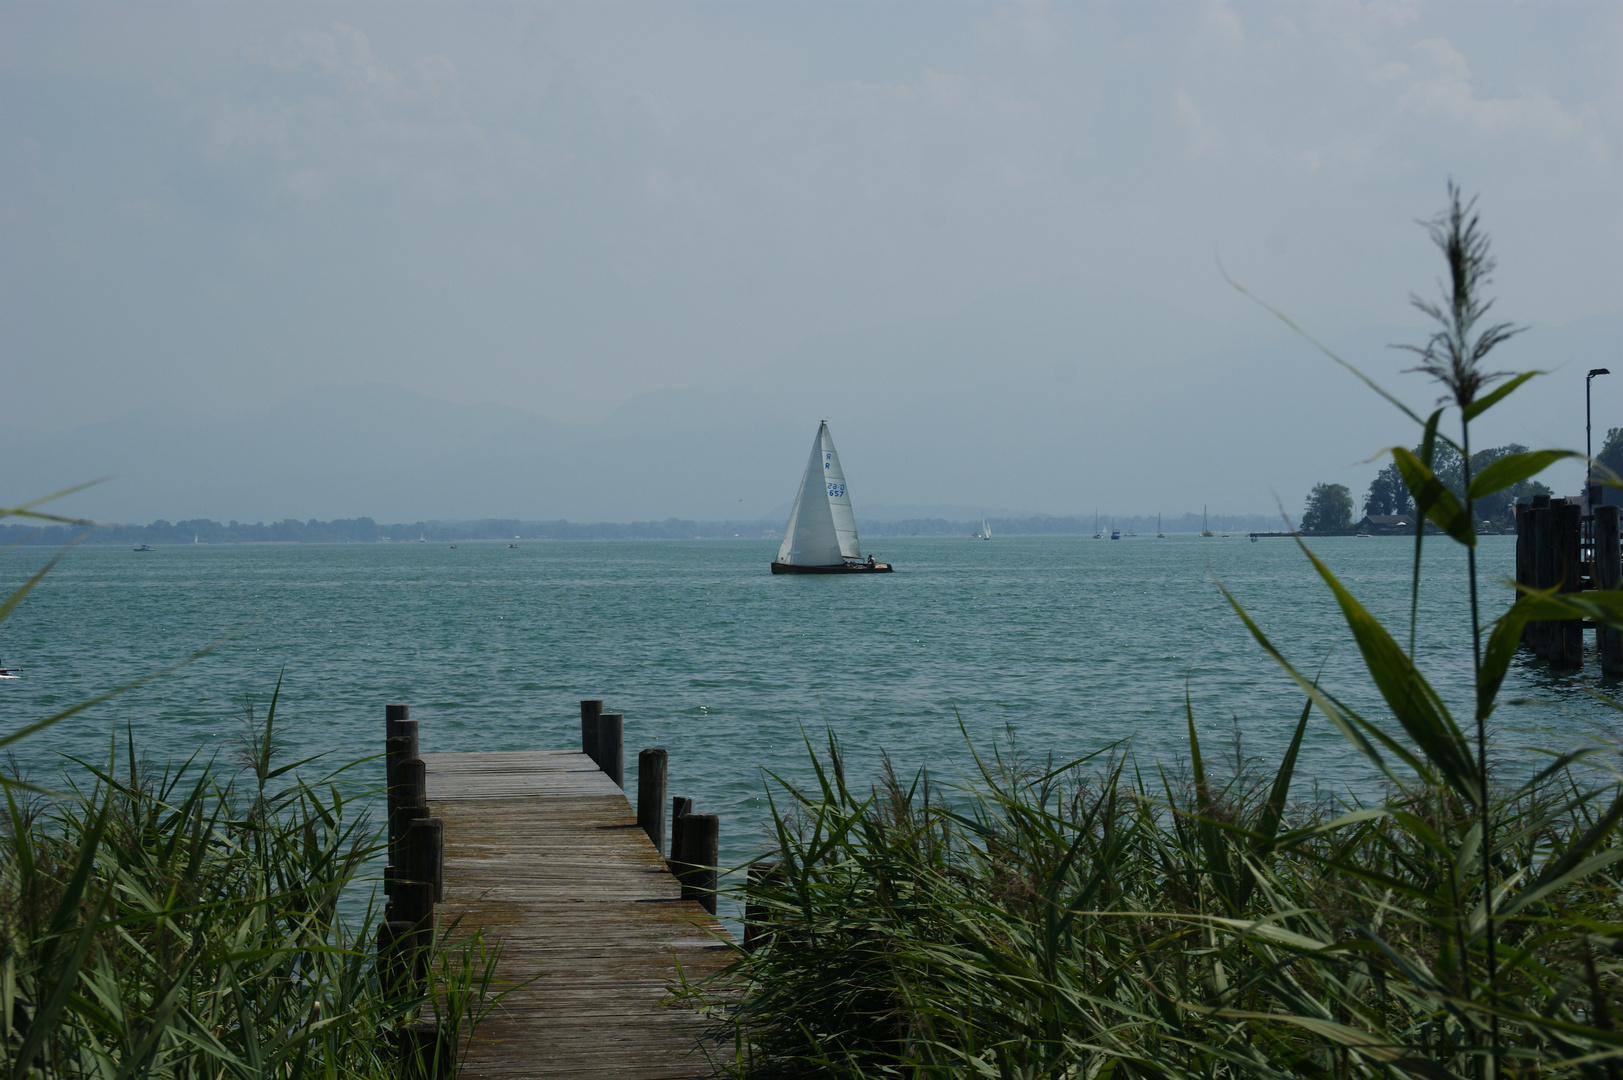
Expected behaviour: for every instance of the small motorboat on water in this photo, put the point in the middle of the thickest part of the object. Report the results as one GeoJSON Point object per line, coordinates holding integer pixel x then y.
{"type": "Point", "coordinates": [144, 547]}
{"type": "Point", "coordinates": [821, 537]}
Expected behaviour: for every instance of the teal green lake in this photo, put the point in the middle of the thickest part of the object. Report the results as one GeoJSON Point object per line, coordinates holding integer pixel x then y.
{"type": "Point", "coordinates": [1062, 643]}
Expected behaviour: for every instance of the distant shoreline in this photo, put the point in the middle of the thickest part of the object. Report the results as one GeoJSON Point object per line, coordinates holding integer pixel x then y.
{"type": "Point", "coordinates": [367, 531]}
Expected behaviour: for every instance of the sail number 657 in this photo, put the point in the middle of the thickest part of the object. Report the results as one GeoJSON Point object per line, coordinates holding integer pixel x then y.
{"type": "Point", "coordinates": [835, 491]}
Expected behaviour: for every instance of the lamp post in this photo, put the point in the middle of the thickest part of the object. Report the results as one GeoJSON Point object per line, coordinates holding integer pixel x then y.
{"type": "Point", "coordinates": [1589, 451]}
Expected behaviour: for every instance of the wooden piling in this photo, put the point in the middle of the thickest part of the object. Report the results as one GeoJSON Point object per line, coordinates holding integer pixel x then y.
{"type": "Point", "coordinates": [1569, 644]}
{"type": "Point", "coordinates": [757, 914]}
{"type": "Point", "coordinates": [1608, 575]}
{"type": "Point", "coordinates": [404, 817]}
{"type": "Point", "coordinates": [394, 956]}
{"type": "Point", "coordinates": [700, 847]}
{"type": "Point", "coordinates": [398, 748]}
{"type": "Point", "coordinates": [611, 737]}
{"type": "Point", "coordinates": [425, 1052]}
{"type": "Point", "coordinates": [425, 854]}
{"type": "Point", "coordinates": [590, 710]}
{"type": "Point", "coordinates": [1544, 573]}
{"type": "Point", "coordinates": [651, 768]}
{"type": "Point", "coordinates": [680, 809]}
{"type": "Point", "coordinates": [400, 745]}
{"type": "Point", "coordinates": [1524, 555]}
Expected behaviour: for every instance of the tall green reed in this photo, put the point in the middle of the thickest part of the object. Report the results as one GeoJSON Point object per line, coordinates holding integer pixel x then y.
{"type": "Point", "coordinates": [1090, 919]}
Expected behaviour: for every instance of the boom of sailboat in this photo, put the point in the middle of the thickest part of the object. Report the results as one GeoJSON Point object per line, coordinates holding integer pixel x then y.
{"type": "Point", "coordinates": [821, 537]}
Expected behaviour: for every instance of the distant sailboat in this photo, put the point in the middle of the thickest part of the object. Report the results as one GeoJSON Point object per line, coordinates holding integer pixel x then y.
{"type": "Point", "coordinates": [986, 530]}
{"type": "Point", "coordinates": [821, 537]}
{"type": "Point", "coordinates": [1205, 530]}
{"type": "Point", "coordinates": [1159, 535]}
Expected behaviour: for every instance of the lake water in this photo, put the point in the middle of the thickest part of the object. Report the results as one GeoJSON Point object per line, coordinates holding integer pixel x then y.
{"type": "Point", "coordinates": [1067, 643]}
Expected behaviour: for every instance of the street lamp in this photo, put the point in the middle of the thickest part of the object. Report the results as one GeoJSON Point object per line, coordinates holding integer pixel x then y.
{"type": "Point", "coordinates": [1589, 451]}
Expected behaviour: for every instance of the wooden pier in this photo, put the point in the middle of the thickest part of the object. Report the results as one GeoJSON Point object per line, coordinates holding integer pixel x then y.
{"type": "Point", "coordinates": [542, 850]}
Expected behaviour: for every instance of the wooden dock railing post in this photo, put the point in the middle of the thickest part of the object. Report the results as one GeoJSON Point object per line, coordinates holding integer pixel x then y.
{"type": "Point", "coordinates": [757, 914]}
{"type": "Point", "coordinates": [700, 835]}
{"type": "Point", "coordinates": [425, 855]}
{"type": "Point", "coordinates": [590, 710]}
{"type": "Point", "coordinates": [1569, 644]}
{"type": "Point", "coordinates": [400, 744]}
{"type": "Point", "coordinates": [414, 878]}
{"type": "Point", "coordinates": [611, 739]}
{"type": "Point", "coordinates": [651, 766]}
{"type": "Point", "coordinates": [680, 809]}
{"type": "Point", "coordinates": [1544, 573]}
{"type": "Point", "coordinates": [1608, 575]}
{"type": "Point", "coordinates": [1524, 555]}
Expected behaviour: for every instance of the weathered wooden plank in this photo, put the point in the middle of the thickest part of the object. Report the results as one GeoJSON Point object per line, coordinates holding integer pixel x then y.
{"type": "Point", "coordinates": [544, 851]}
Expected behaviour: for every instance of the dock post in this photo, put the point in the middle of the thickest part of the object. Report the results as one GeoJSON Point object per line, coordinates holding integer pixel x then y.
{"type": "Point", "coordinates": [394, 958]}
{"type": "Point", "coordinates": [590, 710]}
{"type": "Point", "coordinates": [1524, 555]}
{"type": "Point", "coordinates": [700, 836]}
{"type": "Point", "coordinates": [756, 914]}
{"type": "Point", "coordinates": [425, 1052]}
{"type": "Point", "coordinates": [400, 746]}
{"type": "Point", "coordinates": [394, 719]}
{"type": "Point", "coordinates": [1569, 644]}
{"type": "Point", "coordinates": [611, 737]}
{"type": "Point", "coordinates": [1608, 575]}
{"type": "Point", "coordinates": [1543, 567]}
{"type": "Point", "coordinates": [680, 809]}
{"type": "Point", "coordinates": [425, 854]}
{"type": "Point", "coordinates": [651, 766]}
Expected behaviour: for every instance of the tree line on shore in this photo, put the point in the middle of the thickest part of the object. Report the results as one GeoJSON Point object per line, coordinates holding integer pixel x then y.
{"type": "Point", "coordinates": [1329, 507]}
{"type": "Point", "coordinates": [365, 530]}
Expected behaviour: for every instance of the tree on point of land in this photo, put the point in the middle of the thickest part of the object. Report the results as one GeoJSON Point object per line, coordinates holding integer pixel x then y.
{"type": "Point", "coordinates": [1388, 494]}
{"type": "Point", "coordinates": [1329, 509]}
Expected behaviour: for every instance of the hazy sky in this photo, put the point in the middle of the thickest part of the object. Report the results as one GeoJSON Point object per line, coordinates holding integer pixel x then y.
{"type": "Point", "coordinates": [208, 208]}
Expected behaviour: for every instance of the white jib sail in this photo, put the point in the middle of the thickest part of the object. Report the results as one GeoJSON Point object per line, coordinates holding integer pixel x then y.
{"type": "Point", "coordinates": [822, 531]}
{"type": "Point", "coordinates": [839, 498]}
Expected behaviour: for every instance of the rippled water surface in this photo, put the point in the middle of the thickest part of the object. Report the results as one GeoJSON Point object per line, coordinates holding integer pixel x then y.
{"type": "Point", "coordinates": [1067, 643]}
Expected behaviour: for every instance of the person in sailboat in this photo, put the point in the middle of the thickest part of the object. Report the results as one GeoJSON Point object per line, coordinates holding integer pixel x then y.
{"type": "Point", "coordinates": [870, 559]}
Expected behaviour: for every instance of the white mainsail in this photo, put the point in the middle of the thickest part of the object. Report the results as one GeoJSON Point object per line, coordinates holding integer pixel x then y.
{"type": "Point", "coordinates": [822, 530]}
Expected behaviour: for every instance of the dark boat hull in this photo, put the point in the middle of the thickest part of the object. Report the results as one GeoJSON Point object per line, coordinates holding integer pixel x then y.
{"type": "Point", "coordinates": [840, 568]}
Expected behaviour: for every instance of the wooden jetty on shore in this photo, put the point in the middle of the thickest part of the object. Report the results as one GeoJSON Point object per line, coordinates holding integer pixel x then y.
{"type": "Point", "coordinates": [543, 852]}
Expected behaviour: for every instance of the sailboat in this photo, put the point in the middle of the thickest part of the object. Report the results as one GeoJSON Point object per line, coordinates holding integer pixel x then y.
{"type": "Point", "coordinates": [1159, 535]}
{"type": "Point", "coordinates": [986, 530]}
{"type": "Point", "coordinates": [821, 537]}
{"type": "Point", "coordinates": [1205, 530]}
